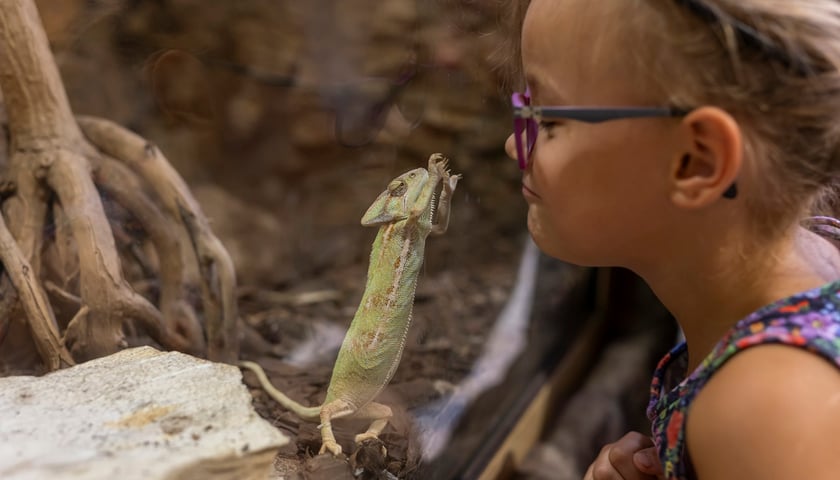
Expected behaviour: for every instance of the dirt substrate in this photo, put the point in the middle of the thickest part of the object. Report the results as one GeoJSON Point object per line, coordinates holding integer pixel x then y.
{"type": "Point", "coordinates": [454, 314]}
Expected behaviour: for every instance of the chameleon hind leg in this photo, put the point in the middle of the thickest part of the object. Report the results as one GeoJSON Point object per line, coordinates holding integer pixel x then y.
{"type": "Point", "coordinates": [379, 413]}
{"type": "Point", "coordinates": [329, 411]}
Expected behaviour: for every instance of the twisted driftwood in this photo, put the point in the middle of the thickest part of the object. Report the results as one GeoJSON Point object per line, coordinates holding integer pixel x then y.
{"type": "Point", "coordinates": [57, 166]}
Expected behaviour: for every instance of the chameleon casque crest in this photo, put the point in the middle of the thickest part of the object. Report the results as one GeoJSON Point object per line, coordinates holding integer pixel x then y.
{"type": "Point", "coordinates": [370, 353]}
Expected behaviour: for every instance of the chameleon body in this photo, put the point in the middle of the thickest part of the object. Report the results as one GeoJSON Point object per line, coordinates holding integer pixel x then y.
{"type": "Point", "coordinates": [373, 345]}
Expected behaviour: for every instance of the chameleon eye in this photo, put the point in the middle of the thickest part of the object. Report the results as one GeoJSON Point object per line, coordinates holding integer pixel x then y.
{"type": "Point", "coordinates": [397, 189]}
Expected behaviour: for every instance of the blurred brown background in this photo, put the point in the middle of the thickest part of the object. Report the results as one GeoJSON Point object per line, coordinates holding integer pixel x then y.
{"type": "Point", "coordinates": [288, 117]}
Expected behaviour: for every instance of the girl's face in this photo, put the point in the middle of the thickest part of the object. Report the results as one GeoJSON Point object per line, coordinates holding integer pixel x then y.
{"type": "Point", "coordinates": [597, 193]}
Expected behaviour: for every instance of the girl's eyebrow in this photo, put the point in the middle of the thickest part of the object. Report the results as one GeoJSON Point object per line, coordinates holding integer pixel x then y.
{"type": "Point", "coordinates": [553, 100]}
{"type": "Point", "coordinates": [532, 84]}
{"type": "Point", "coordinates": [539, 93]}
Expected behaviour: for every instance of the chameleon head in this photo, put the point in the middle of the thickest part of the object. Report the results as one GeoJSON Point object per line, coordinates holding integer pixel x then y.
{"type": "Point", "coordinates": [395, 202]}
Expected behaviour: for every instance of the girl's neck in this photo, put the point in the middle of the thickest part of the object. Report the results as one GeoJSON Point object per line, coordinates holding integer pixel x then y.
{"type": "Point", "coordinates": [708, 294]}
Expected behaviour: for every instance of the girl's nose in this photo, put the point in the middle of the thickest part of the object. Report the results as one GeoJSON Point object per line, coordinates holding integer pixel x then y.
{"type": "Point", "coordinates": [510, 147]}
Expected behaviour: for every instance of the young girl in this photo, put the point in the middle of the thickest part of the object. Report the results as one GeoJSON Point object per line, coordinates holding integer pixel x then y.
{"type": "Point", "coordinates": [692, 141]}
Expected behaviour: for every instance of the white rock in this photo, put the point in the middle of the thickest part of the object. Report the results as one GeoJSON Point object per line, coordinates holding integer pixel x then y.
{"type": "Point", "coordinates": [137, 414]}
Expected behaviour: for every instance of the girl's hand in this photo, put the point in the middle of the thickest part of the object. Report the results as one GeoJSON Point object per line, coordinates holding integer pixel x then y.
{"type": "Point", "coordinates": [633, 457]}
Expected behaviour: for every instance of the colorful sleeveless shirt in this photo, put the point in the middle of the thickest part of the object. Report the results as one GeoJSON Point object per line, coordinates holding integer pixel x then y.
{"type": "Point", "coordinates": [809, 320]}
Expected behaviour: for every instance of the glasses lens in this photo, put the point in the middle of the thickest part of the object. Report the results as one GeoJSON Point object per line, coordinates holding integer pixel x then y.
{"type": "Point", "coordinates": [518, 132]}
{"type": "Point", "coordinates": [523, 127]}
{"type": "Point", "coordinates": [531, 131]}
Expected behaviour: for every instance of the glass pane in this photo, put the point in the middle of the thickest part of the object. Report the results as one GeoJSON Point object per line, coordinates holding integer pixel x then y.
{"type": "Point", "coordinates": [260, 132]}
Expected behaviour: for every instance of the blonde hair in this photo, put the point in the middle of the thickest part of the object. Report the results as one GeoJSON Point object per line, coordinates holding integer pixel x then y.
{"type": "Point", "coordinates": [782, 85]}
{"type": "Point", "coordinates": [506, 60]}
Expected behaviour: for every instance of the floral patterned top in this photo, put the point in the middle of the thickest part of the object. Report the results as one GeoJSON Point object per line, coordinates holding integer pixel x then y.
{"type": "Point", "coordinates": [809, 320]}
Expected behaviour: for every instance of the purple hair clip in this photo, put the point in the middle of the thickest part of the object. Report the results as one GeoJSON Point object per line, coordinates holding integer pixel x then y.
{"type": "Point", "coordinates": [828, 227]}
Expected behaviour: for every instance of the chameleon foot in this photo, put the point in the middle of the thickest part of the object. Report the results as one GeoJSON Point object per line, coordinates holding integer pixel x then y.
{"type": "Point", "coordinates": [370, 456]}
{"type": "Point", "coordinates": [436, 158]}
{"type": "Point", "coordinates": [451, 181]}
{"type": "Point", "coordinates": [368, 437]}
{"type": "Point", "coordinates": [330, 446]}
{"type": "Point", "coordinates": [440, 165]}
{"type": "Point", "coordinates": [365, 436]}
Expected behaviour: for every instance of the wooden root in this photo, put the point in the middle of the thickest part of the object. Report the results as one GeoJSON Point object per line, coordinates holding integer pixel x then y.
{"type": "Point", "coordinates": [41, 319]}
{"type": "Point", "coordinates": [54, 169]}
{"type": "Point", "coordinates": [218, 278]}
{"type": "Point", "coordinates": [171, 243]}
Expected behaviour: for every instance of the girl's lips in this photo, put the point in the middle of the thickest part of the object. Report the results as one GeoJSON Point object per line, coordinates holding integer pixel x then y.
{"type": "Point", "coordinates": [528, 193]}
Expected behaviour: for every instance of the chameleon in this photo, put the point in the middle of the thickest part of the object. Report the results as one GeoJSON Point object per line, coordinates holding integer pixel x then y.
{"type": "Point", "coordinates": [373, 345]}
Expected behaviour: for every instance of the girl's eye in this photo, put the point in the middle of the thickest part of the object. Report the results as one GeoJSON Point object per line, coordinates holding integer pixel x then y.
{"type": "Point", "coordinates": [547, 125]}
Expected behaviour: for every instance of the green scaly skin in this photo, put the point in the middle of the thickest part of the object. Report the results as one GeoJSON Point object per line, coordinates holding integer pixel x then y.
{"type": "Point", "coordinates": [373, 345]}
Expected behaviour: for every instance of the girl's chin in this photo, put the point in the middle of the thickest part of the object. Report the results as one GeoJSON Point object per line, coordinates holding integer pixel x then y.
{"type": "Point", "coordinates": [553, 246]}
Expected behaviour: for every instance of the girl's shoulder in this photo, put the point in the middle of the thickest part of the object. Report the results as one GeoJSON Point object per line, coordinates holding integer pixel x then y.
{"type": "Point", "coordinates": [771, 413]}
{"type": "Point", "coordinates": [809, 322]}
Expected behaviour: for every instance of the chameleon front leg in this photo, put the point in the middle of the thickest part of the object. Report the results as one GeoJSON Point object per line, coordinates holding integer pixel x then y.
{"type": "Point", "coordinates": [438, 171]}
{"type": "Point", "coordinates": [444, 200]}
{"type": "Point", "coordinates": [437, 165]}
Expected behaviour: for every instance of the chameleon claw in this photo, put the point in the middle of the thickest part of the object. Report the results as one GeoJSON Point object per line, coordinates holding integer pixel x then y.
{"type": "Point", "coordinates": [362, 437]}
{"type": "Point", "coordinates": [438, 164]}
{"type": "Point", "coordinates": [434, 159]}
{"type": "Point", "coordinates": [331, 447]}
{"type": "Point", "coordinates": [442, 169]}
{"type": "Point", "coordinates": [365, 436]}
{"type": "Point", "coordinates": [452, 182]}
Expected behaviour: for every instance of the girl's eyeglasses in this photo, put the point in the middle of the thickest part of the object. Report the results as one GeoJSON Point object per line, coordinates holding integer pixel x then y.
{"type": "Point", "coordinates": [526, 119]}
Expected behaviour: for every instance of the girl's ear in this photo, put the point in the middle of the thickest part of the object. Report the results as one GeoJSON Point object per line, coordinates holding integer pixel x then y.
{"type": "Point", "coordinates": [712, 159]}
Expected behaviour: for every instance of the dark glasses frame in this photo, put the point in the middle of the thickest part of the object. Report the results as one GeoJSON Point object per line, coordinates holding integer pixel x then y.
{"type": "Point", "coordinates": [526, 118]}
